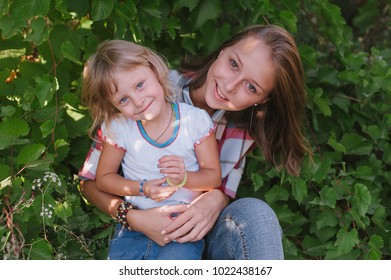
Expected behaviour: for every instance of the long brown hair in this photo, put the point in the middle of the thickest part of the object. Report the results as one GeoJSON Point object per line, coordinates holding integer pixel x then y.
{"type": "Point", "coordinates": [98, 76]}
{"type": "Point", "coordinates": [276, 126]}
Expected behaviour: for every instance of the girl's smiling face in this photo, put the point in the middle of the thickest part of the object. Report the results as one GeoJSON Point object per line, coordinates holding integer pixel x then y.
{"type": "Point", "coordinates": [138, 94]}
{"type": "Point", "coordinates": [242, 75]}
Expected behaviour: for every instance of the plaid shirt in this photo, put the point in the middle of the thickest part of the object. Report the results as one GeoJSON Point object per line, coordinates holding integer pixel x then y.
{"type": "Point", "coordinates": [233, 144]}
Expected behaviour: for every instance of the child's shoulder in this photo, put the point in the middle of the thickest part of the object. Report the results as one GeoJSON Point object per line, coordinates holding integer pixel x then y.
{"type": "Point", "coordinates": [184, 107]}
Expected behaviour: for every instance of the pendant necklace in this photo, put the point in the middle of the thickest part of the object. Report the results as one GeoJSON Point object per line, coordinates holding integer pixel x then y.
{"type": "Point", "coordinates": [169, 122]}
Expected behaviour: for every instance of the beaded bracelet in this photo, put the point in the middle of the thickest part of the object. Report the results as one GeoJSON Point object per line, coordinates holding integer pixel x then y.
{"type": "Point", "coordinates": [142, 188]}
{"type": "Point", "coordinates": [122, 210]}
{"type": "Point", "coordinates": [181, 184]}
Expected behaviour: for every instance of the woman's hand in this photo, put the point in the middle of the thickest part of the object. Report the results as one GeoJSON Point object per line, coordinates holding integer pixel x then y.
{"type": "Point", "coordinates": [195, 219]}
{"type": "Point", "coordinates": [152, 221]}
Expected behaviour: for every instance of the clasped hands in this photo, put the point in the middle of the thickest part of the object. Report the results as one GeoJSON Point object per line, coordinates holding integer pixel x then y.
{"type": "Point", "coordinates": [173, 167]}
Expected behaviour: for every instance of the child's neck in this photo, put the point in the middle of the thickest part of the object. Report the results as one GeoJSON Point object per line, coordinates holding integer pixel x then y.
{"type": "Point", "coordinates": [161, 129]}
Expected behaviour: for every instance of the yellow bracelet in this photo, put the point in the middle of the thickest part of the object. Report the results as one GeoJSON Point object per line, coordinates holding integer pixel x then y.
{"type": "Point", "coordinates": [181, 184]}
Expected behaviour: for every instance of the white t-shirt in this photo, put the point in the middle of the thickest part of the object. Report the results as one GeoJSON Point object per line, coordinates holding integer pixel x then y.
{"type": "Point", "coordinates": [142, 153]}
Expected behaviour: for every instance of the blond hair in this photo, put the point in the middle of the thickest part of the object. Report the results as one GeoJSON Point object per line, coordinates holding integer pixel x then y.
{"type": "Point", "coordinates": [98, 76]}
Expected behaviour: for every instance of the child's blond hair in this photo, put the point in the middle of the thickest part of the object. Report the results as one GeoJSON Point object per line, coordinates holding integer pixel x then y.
{"type": "Point", "coordinates": [98, 76]}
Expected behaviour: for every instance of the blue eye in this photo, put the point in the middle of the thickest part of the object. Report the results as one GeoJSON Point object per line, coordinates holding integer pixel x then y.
{"type": "Point", "coordinates": [123, 100]}
{"type": "Point", "coordinates": [140, 85]}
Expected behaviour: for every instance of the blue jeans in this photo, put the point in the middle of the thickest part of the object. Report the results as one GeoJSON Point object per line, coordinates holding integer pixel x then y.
{"type": "Point", "coordinates": [133, 245]}
{"type": "Point", "coordinates": [247, 229]}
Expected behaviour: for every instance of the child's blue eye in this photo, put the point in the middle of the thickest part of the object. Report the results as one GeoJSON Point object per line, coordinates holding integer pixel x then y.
{"type": "Point", "coordinates": [140, 85]}
{"type": "Point", "coordinates": [123, 100]}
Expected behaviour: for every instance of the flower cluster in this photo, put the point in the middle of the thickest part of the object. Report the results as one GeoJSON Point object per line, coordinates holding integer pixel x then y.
{"type": "Point", "coordinates": [49, 177]}
{"type": "Point", "coordinates": [47, 211]}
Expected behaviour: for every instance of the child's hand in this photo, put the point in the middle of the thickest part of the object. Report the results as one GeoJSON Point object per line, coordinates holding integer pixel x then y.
{"type": "Point", "coordinates": [154, 189]}
{"type": "Point", "coordinates": [173, 167]}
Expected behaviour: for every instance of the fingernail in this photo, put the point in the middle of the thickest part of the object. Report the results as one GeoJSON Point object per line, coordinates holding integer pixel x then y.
{"type": "Point", "coordinates": [164, 232]}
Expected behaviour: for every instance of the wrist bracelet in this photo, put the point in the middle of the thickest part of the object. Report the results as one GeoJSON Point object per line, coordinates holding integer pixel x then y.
{"type": "Point", "coordinates": [181, 184]}
{"type": "Point", "coordinates": [142, 188]}
{"type": "Point", "coordinates": [122, 210]}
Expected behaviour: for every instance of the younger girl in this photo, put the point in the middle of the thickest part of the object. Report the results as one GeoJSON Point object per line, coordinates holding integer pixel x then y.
{"type": "Point", "coordinates": [167, 150]}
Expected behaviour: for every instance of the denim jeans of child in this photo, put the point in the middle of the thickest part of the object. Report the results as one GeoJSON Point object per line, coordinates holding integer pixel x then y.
{"type": "Point", "coordinates": [133, 245]}
{"type": "Point", "coordinates": [247, 229]}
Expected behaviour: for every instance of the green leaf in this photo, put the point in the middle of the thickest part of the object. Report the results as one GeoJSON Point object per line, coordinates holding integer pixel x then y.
{"type": "Point", "coordinates": [276, 193]}
{"type": "Point", "coordinates": [39, 31]}
{"type": "Point", "coordinates": [172, 25]}
{"type": "Point", "coordinates": [257, 181]}
{"type": "Point", "coordinates": [326, 218]}
{"type": "Point", "coordinates": [323, 169]}
{"type": "Point", "coordinates": [322, 103]}
{"type": "Point", "coordinates": [361, 199]}
{"type": "Point", "coordinates": [335, 145]}
{"type": "Point", "coordinates": [288, 19]}
{"type": "Point", "coordinates": [191, 4]}
{"type": "Point", "coordinates": [64, 211]}
{"type": "Point", "coordinates": [44, 89]}
{"type": "Point", "coordinates": [328, 197]}
{"type": "Point", "coordinates": [32, 7]}
{"type": "Point", "coordinates": [355, 144]}
{"type": "Point", "coordinates": [101, 9]}
{"type": "Point", "coordinates": [5, 171]}
{"type": "Point", "coordinates": [41, 250]}
{"type": "Point", "coordinates": [308, 56]}
{"type": "Point", "coordinates": [11, 130]}
{"type": "Point", "coordinates": [30, 153]}
{"type": "Point", "coordinates": [47, 127]}
{"type": "Point", "coordinates": [328, 74]}
{"type": "Point", "coordinates": [7, 111]}
{"type": "Point", "coordinates": [151, 8]}
{"type": "Point", "coordinates": [299, 190]}
{"type": "Point", "coordinates": [208, 10]}
{"type": "Point", "coordinates": [70, 52]}
{"type": "Point", "coordinates": [376, 243]}
{"type": "Point", "coordinates": [346, 240]}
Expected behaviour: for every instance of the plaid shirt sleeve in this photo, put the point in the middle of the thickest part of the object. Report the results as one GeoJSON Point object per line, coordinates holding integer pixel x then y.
{"type": "Point", "coordinates": [234, 144]}
{"type": "Point", "coordinates": [88, 171]}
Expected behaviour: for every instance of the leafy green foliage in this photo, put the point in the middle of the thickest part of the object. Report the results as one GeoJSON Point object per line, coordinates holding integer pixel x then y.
{"type": "Point", "coordinates": [339, 208]}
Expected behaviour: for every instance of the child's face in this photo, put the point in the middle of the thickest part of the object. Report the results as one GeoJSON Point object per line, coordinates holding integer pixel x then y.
{"type": "Point", "coordinates": [139, 95]}
{"type": "Point", "coordinates": [241, 76]}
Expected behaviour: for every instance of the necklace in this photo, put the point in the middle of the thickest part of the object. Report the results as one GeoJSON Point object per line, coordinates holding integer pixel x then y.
{"type": "Point", "coordinates": [168, 125]}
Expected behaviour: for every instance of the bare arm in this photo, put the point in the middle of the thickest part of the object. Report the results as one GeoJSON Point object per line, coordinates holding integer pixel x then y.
{"type": "Point", "coordinates": [105, 202]}
{"type": "Point", "coordinates": [107, 178]}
